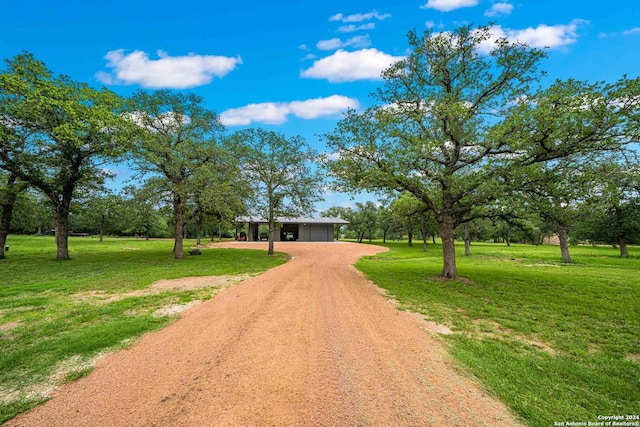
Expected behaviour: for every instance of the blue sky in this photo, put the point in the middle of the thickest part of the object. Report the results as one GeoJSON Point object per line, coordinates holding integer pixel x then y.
{"type": "Point", "coordinates": [294, 66]}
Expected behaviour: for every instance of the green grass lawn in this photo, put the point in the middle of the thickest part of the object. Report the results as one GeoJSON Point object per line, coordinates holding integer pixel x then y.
{"type": "Point", "coordinates": [56, 316]}
{"type": "Point", "coordinates": [555, 342]}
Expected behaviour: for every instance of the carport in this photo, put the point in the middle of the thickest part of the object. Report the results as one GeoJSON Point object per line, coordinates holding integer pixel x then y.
{"type": "Point", "coordinates": [318, 229]}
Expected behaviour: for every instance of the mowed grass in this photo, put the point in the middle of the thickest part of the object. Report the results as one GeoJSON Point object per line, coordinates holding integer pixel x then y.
{"type": "Point", "coordinates": [555, 342]}
{"type": "Point", "coordinates": [57, 316]}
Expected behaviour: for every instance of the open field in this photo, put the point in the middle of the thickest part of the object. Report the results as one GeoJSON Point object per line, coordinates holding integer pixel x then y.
{"type": "Point", "coordinates": [58, 316]}
{"type": "Point", "coordinates": [307, 343]}
{"type": "Point", "coordinates": [555, 342]}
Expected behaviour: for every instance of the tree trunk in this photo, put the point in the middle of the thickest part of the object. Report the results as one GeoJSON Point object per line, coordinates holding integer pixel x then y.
{"type": "Point", "coordinates": [272, 222]}
{"type": "Point", "coordinates": [467, 239]}
{"type": "Point", "coordinates": [449, 270]}
{"type": "Point", "coordinates": [4, 231]}
{"type": "Point", "coordinates": [424, 240]}
{"type": "Point", "coordinates": [101, 228]}
{"type": "Point", "coordinates": [7, 213]}
{"type": "Point", "coordinates": [271, 232]}
{"type": "Point", "coordinates": [199, 233]}
{"type": "Point", "coordinates": [433, 238]}
{"type": "Point", "coordinates": [410, 238]}
{"type": "Point", "coordinates": [178, 208]}
{"type": "Point", "coordinates": [62, 230]}
{"type": "Point", "coordinates": [563, 236]}
{"type": "Point", "coordinates": [11, 195]}
{"type": "Point", "coordinates": [384, 237]}
{"type": "Point", "coordinates": [622, 241]}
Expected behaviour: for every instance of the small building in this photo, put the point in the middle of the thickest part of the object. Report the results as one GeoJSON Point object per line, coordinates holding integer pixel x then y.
{"type": "Point", "coordinates": [294, 229]}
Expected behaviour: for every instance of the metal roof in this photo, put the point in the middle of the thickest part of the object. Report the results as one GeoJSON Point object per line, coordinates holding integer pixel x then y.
{"type": "Point", "coordinates": [317, 220]}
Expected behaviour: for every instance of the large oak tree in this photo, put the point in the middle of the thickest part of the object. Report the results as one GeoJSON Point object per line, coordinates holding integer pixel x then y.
{"type": "Point", "coordinates": [458, 120]}
{"type": "Point", "coordinates": [432, 132]}
{"type": "Point", "coordinates": [559, 137]}
{"type": "Point", "coordinates": [177, 136]}
{"type": "Point", "coordinates": [279, 170]}
{"type": "Point", "coordinates": [57, 134]}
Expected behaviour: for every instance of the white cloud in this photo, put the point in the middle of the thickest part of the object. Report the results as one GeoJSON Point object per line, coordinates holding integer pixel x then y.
{"type": "Point", "coordinates": [347, 205]}
{"type": "Point", "coordinates": [628, 32]}
{"type": "Point", "coordinates": [351, 28]}
{"type": "Point", "coordinates": [430, 24]}
{"type": "Point", "coordinates": [110, 172]}
{"type": "Point", "coordinates": [320, 107]}
{"type": "Point", "coordinates": [336, 43]}
{"type": "Point", "coordinates": [309, 56]}
{"type": "Point", "coordinates": [499, 9]}
{"type": "Point", "coordinates": [178, 72]}
{"type": "Point", "coordinates": [448, 5]}
{"type": "Point", "coordinates": [330, 44]}
{"type": "Point", "coordinates": [552, 36]}
{"type": "Point", "coordinates": [342, 66]}
{"type": "Point", "coordinates": [276, 112]}
{"type": "Point", "coordinates": [166, 121]}
{"type": "Point", "coordinates": [359, 17]}
{"type": "Point", "coordinates": [303, 47]}
{"type": "Point", "coordinates": [265, 112]}
{"type": "Point", "coordinates": [406, 107]}
{"type": "Point", "coordinates": [333, 156]}
{"type": "Point", "coordinates": [106, 78]}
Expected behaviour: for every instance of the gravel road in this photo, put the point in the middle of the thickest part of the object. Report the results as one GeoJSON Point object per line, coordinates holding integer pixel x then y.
{"type": "Point", "coordinates": [309, 343]}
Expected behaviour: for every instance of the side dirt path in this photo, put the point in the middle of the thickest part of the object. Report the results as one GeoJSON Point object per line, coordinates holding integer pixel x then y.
{"type": "Point", "coordinates": [309, 343]}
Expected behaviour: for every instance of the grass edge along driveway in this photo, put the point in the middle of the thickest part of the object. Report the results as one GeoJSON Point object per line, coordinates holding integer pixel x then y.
{"type": "Point", "coordinates": [57, 317]}
{"type": "Point", "coordinates": [557, 343]}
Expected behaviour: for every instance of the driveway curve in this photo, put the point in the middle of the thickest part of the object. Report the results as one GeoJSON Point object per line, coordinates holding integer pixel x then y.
{"type": "Point", "coordinates": [308, 343]}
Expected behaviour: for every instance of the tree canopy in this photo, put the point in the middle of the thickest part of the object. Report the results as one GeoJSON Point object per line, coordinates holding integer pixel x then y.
{"type": "Point", "coordinates": [176, 137]}
{"type": "Point", "coordinates": [279, 169]}
{"type": "Point", "coordinates": [462, 113]}
{"type": "Point", "coordinates": [57, 134]}
{"type": "Point", "coordinates": [433, 132]}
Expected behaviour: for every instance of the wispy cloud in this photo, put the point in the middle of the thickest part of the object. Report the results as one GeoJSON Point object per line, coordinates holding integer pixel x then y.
{"type": "Point", "coordinates": [177, 72]}
{"type": "Point", "coordinates": [351, 28]}
{"type": "Point", "coordinates": [276, 113]}
{"type": "Point", "coordinates": [336, 43]}
{"type": "Point", "coordinates": [343, 66]}
{"type": "Point", "coordinates": [628, 32]}
{"type": "Point", "coordinates": [499, 9]}
{"type": "Point", "coordinates": [448, 5]}
{"type": "Point", "coordinates": [359, 17]}
{"type": "Point", "coordinates": [430, 24]}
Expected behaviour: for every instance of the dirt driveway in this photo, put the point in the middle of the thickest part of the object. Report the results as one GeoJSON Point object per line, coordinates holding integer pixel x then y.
{"type": "Point", "coordinates": [309, 343]}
